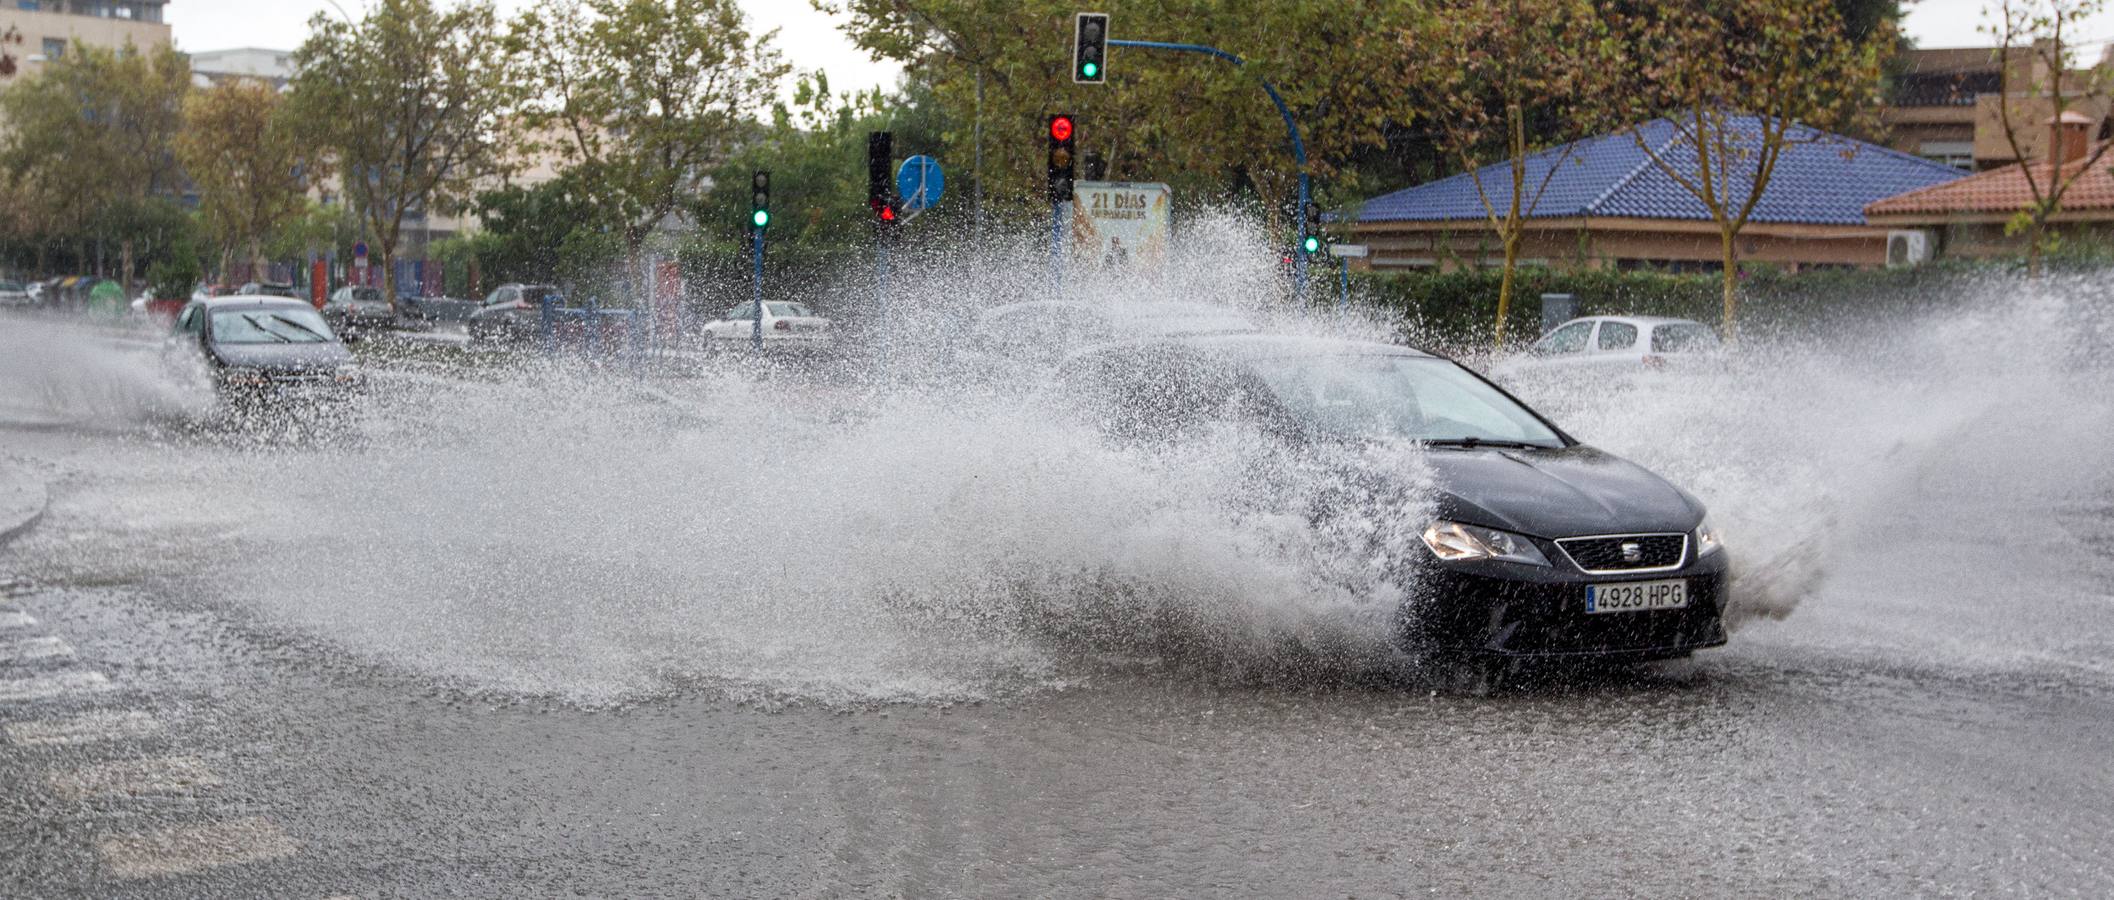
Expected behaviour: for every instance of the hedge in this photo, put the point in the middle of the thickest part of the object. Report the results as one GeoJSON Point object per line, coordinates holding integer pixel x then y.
{"type": "Point", "coordinates": [1458, 308]}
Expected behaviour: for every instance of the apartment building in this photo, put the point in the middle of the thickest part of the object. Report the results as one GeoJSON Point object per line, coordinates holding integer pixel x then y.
{"type": "Point", "coordinates": [48, 28]}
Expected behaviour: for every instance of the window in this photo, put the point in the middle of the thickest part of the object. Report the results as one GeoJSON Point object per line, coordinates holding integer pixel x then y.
{"type": "Point", "coordinates": [744, 311]}
{"type": "Point", "coordinates": [190, 321]}
{"type": "Point", "coordinates": [1617, 336]}
{"type": "Point", "coordinates": [54, 48]}
{"type": "Point", "coordinates": [1683, 338]}
{"type": "Point", "coordinates": [787, 310]}
{"type": "Point", "coordinates": [270, 325]}
{"type": "Point", "coordinates": [1398, 397]}
{"type": "Point", "coordinates": [1568, 339]}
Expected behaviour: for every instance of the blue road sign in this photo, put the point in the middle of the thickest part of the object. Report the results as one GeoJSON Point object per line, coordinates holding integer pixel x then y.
{"type": "Point", "coordinates": [920, 183]}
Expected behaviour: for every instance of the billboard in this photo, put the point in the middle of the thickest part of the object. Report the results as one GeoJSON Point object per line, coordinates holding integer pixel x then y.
{"type": "Point", "coordinates": [1120, 223]}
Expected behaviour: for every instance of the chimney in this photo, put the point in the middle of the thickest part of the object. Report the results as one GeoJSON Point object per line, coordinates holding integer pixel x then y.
{"type": "Point", "coordinates": [2072, 131]}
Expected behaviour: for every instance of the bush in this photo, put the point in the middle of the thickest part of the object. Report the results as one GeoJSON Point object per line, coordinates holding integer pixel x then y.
{"type": "Point", "coordinates": [175, 277]}
{"type": "Point", "coordinates": [1456, 309]}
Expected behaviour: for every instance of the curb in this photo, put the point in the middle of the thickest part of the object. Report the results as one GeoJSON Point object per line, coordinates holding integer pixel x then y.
{"type": "Point", "coordinates": [22, 503]}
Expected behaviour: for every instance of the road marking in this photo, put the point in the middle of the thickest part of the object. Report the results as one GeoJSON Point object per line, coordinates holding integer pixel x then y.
{"type": "Point", "coordinates": [14, 619]}
{"type": "Point", "coordinates": [178, 851]}
{"type": "Point", "coordinates": [45, 687]}
{"type": "Point", "coordinates": [132, 778]}
{"type": "Point", "coordinates": [84, 729]}
{"type": "Point", "coordinates": [35, 649]}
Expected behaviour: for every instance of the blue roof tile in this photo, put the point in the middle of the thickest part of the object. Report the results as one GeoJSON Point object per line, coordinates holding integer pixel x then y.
{"type": "Point", "coordinates": [1825, 179]}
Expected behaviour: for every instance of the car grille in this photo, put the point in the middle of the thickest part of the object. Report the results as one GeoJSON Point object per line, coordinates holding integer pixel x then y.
{"type": "Point", "coordinates": [1607, 553]}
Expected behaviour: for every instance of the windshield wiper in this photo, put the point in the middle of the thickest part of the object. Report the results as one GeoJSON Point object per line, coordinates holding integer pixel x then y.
{"type": "Point", "coordinates": [1470, 443]}
{"type": "Point", "coordinates": [266, 330]}
{"type": "Point", "coordinates": [305, 329]}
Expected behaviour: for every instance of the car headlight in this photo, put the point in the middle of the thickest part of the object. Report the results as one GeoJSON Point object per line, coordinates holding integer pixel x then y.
{"type": "Point", "coordinates": [1708, 541]}
{"type": "Point", "coordinates": [1455, 542]}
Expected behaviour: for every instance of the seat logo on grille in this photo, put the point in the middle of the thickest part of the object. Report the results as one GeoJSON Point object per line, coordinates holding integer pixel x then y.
{"type": "Point", "coordinates": [1632, 552]}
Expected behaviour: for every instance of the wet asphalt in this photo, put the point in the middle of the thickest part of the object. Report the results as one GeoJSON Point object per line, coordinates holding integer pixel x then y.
{"type": "Point", "coordinates": [155, 742]}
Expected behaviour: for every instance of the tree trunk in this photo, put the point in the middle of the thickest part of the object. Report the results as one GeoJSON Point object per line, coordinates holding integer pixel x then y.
{"type": "Point", "coordinates": [386, 257]}
{"type": "Point", "coordinates": [1730, 324]}
{"type": "Point", "coordinates": [125, 266]}
{"type": "Point", "coordinates": [2035, 240]}
{"type": "Point", "coordinates": [1504, 283]}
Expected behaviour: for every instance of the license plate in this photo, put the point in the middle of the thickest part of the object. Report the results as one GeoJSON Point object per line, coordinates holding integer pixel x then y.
{"type": "Point", "coordinates": [1637, 596]}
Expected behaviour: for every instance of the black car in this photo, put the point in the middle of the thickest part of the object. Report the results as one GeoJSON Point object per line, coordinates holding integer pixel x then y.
{"type": "Point", "coordinates": [263, 351]}
{"type": "Point", "coordinates": [1539, 546]}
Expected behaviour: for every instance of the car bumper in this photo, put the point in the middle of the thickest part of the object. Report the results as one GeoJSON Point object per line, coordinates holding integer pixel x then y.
{"type": "Point", "coordinates": [1518, 611]}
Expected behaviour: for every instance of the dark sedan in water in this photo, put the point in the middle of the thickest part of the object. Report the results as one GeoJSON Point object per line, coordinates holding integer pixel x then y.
{"type": "Point", "coordinates": [263, 352]}
{"type": "Point", "coordinates": [1538, 546]}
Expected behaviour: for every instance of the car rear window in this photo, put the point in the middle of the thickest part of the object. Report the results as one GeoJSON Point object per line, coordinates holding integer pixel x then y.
{"type": "Point", "coordinates": [1683, 338]}
{"type": "Point", "coordinates": [783, 310]}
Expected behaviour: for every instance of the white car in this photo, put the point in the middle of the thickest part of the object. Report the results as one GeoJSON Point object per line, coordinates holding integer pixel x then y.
{"type": "Point", "coordinates": [785, 324]}
{"type": "Point", "coordinates": [1615, 343]}
{"type": "Point", "coordinates": [12, 293]}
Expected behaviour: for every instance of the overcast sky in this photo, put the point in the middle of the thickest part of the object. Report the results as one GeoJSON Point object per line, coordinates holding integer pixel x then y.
{"type": "Point", "coordinates": [808, 39]}
{"type": "Point", "coordinates": [811, 40]}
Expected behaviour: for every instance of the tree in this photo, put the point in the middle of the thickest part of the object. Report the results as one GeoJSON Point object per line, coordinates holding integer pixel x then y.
{"type": "Point", "coordinates": [1485, 67]}
{"type": "Point", "coordinates": [413, 103]}
{"type": "Point", "coordinates": [1746, 80]}
{"type": "Point", "coordinates": [2041, 35]}
{"type": "Point", "coordinates": [998, 69]}
{"type": "Point", "coordinates": [639, 99]}
{"type": "Point", "coordinates": [250, 164]}
{"type": "Point", "coordinates": [92, 135]}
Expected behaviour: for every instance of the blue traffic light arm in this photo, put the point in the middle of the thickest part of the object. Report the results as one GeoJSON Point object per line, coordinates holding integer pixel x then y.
{"type": "Point", "coordinates": [1299, 147]}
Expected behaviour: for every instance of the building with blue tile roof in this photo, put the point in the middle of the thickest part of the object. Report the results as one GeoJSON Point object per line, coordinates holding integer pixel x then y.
{"type": "Point", "coordinates": [1604, 201]}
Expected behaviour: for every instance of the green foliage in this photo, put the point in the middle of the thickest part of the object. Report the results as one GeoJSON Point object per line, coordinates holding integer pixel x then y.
{"type": "Point", "coordinates": [252, 167]}
{"type": "Point", "coordinates": [411, 102]}
{"type": "Point", "coordinates": [1190, 120]}
{"type": "Point", "coordinates": [638, 99]}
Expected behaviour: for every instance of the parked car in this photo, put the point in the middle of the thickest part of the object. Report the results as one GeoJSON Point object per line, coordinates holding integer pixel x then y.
{"type": "Point", "coordinates": [262, 353]}
{"type": "Point", "coordinates": [1538, 546]}
{"type": "Point", "coordinates": [511, 312]}
{"type": "Point", "coordinates": [785, 324]}
{"type": "Point", "coordinates": [353, 309]}
{"type": "Point", "coordinates": [13, 293]}
{"type": "Point", "coordinates": [438, 309]}
{"type": "Point", "coordinates": [1616, 343]}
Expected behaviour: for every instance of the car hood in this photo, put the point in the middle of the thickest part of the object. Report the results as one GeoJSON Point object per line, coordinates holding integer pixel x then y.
{"type": "Point", "coordinates": [1558, 493]}
{"type": "Point", "coordinates": [284, 357]}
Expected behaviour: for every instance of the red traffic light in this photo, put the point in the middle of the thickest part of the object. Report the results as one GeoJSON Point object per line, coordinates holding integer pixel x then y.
{"type": "Point", "coordinates": [888, 213]}
{"type": "Point", "coordinates": [1061, 128]}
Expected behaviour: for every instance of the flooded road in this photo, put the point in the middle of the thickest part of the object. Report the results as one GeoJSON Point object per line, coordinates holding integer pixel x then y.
{"type": "Point", "coordinates": [932, 649]}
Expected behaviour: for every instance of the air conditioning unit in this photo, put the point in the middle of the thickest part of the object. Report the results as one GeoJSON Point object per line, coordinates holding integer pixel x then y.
{"type": "Point", "coordinates": [1905, 249]}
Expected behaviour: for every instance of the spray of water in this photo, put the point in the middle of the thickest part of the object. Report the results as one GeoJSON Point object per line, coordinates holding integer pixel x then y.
{"type": "Point", "coordinates": [888, 530]}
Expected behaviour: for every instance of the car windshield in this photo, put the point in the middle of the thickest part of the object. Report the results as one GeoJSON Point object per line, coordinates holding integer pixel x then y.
{"type": "Point", "coordinates": [1418, 398]}
{"type": "Point", "coordinates": [786, 310]}
{"type": "Point", "coordinates": [367, 295]}
{"type": "Point", "coordinates": [1683, 338]}
{"type": "Point", "coordinates": [10, 286]}
{"type": "Point", "coordinates": [290, 325]}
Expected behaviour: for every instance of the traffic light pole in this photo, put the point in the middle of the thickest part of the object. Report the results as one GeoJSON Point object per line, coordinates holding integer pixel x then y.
{"type": "Point", "coordinates": [756, 323]}
{"type": "Point", "coordinates": [1299, 147]}
{"type": "Point", "coordinates": [1057, 211]}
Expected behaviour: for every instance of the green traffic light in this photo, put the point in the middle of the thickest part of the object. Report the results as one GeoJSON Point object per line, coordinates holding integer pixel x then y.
{"type": "Point", "coordinates": [1090, 70]}
{"type": "Point", "coordinates": [1313, 244]}
{"type": "Point", "coordinates": [761, 218]}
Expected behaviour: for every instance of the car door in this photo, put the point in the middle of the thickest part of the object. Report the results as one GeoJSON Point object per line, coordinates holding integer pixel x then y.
{"type": "Point", "coordinates": [1615, 345]}
{"type": "Point", "coordinates": [183, 349]}
{"type": "Point", "coordinates": [1565, 348]}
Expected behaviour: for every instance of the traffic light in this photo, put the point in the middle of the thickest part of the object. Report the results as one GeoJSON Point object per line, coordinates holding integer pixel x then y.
{"type": "Point", "coordinates": [1061, 168]}
{"type": "Point", "coordinates": [1310, 229]}
{"type": "Point", "coordinates": [760, 202]}
{"type": "Point", "coordinates": [1090, 48]}
{"type": "Point", "coordinates": [880, 192]}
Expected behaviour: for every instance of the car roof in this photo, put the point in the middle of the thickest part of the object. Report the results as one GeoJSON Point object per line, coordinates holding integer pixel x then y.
{"type": "Point", "coordinates": [250, 300]}
{"type": "Point", "coordinates": [1646, 321]}
{"type": "Point", "coordinates": [1257, 345]}
{"type": "Point", "coordinates": [1150, 315]}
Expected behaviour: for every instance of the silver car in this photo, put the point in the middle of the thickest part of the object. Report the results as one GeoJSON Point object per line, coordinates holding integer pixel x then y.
{"type": "Point", "coordinates": [353, 309]}
{"type": "Point", "coordinates": [1616, 343]}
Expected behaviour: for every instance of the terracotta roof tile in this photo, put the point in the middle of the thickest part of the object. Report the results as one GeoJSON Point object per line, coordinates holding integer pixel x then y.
{"type": "Point", "coordinates": [2006, 190]}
